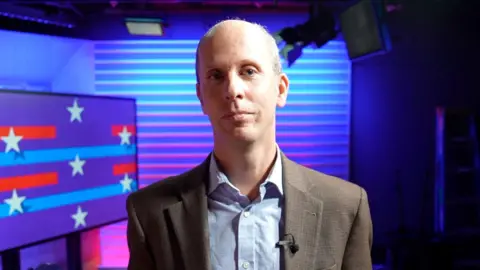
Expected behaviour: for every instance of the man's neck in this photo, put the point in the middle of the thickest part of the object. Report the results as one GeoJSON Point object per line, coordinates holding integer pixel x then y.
{"type": "Point", "coordinates": [246, 166]}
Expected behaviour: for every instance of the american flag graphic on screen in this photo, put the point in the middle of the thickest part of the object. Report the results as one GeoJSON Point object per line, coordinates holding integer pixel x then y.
{"type": "Point", "coordinates": [67, 163]}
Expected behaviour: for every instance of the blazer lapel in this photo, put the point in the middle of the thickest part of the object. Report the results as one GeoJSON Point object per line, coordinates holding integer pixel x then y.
{"type": "Point", "coordinates": [190, 220]}
{"type": "Point", "coordinates": [303, 217]}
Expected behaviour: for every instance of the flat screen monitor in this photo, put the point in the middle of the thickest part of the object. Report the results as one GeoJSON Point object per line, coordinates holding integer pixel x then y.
{"type": "Point", "coordinates": [67, 164]}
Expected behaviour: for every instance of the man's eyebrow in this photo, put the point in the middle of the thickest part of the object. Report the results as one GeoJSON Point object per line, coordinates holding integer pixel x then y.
{"type": "Point", "coordinates": [210, 67]}
{"type": "Point", "coordinates": [244, 62]}
{"type": "Point", "coordinates": [249, 62]}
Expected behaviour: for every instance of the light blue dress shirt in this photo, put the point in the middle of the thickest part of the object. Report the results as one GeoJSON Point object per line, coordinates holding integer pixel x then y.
{"type": "Point", "coordinates": [244, 233]}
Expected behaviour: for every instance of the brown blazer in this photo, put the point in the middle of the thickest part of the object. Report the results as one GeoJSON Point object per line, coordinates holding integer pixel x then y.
{"type": "Point", "coordinates": [329, 217]}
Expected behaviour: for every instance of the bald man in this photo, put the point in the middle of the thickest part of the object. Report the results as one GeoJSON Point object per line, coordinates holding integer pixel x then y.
{"type": "Point", "coordinates": [247, 206]}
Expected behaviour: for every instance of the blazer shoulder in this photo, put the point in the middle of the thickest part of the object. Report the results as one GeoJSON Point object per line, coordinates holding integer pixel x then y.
{"type": "Point", "coordinates": [334, 189]}
{"type": "Point", "coordinates": [167, 191]}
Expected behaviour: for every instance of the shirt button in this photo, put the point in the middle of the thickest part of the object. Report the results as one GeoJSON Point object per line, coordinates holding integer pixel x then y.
{"type": "Point", "coordinates": [246, 214]}
{"type": "Point", "coordinates": [245, 265]}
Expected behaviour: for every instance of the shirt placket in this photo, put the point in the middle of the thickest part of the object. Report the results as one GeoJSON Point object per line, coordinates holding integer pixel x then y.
{"type": "Point", "coordinates": [246, 239]}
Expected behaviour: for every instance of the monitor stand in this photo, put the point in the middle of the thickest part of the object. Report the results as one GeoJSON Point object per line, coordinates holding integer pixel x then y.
{"type": "Point", "coordinates": [11, 259]}
{"type": "Point", "coordinates": [74, 251]}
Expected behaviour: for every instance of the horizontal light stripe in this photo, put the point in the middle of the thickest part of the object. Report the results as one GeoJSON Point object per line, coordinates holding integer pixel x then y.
{"type": "Point", "coordinates": [188, 145]}
{"type": "Point", "coordinates": [147, 41]}
{"type": "Point", "coordinates": [200, 113]}
{"type": "Point", "coordinates": [314, 109]}
{"type": "Point", "coordinates": [192, 72]}
{"type": "Point", "coordinates": [192, 51]}
{"type": "Point", "coordinates": [209, 134]}
{"type": "Point", "coordinates": [333, 128]}
{"type": "Point", "coordinates": [197, 103]}
{"type": "Point", "coordinates": [65, 154]}
{"type": "Point", "coordinates": [172, 42]}
{"type": "Point", "coordinates": [174, 155]}
{"type": "Point", "coordinates": [318, 93]}
{"type": "Point", "coordinates": [192, 61]}
{"type": "Point", "coordinates": [193, 82]}
{"type": "Point", "coordinates": [296, 103]}
{"type": "Point", "coordinates": [204, 124]}
{"type": "Point", "coordinates": [58, 200]}
{"type": "Point", "coordinates": [183, 114]}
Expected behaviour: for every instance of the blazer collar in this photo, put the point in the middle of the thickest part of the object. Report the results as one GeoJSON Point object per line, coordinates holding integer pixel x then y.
{"type": "Point", "coordinates": [217, 177]}
{"type": "Point", "coordinates": [302, 214]}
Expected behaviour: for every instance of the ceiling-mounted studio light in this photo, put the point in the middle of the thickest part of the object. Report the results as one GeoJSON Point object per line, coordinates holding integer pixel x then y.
{"type": "Point", "coordinates": [11, 11]}
{"type": "Point", "coordinates": [317, 30]}
{"type": "Point", "coordinates": [145, 26]}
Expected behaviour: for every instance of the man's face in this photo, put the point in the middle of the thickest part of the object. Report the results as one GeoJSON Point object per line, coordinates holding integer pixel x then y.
{"type": "Point", "coordinates": [238, 87]}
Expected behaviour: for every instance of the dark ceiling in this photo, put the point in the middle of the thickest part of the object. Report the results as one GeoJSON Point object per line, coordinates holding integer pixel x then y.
{"type": "Point", "coordinates": [89, 8]}
{"type": "Point", "coordinates": [87, 12]}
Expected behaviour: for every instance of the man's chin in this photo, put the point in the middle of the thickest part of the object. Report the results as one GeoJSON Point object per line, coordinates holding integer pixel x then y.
{"type": "Point", "coordinates": [244, 134]}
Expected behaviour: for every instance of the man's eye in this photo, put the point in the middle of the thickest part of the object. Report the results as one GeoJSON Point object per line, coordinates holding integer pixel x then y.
{"type": "Point", "coordinates": [250, 72]}
{"type": "Point", "coordinates": [215, 76]}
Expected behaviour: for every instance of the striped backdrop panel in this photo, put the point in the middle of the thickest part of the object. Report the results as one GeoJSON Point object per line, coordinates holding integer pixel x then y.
{"type": "Point", "coordinates": [173, 134]}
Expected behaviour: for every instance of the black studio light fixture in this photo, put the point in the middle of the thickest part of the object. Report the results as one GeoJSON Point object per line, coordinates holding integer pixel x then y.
{"type": "Point", "coordinates": [19, 14]}
{"type": "Point", "coordinates": [317, 30]}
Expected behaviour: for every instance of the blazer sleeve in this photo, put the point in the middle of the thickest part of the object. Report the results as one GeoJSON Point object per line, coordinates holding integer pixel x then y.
{"type": "Point", "coordinates": [140, 256]}
{"type": "Point", "coordinates": [358, 250]}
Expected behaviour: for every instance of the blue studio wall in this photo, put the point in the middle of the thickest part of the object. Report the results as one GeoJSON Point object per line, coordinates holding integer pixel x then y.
{"type": "Point", "coordinates": [45, 63]}
{"type": "Point", "coordinates": [173, 135]}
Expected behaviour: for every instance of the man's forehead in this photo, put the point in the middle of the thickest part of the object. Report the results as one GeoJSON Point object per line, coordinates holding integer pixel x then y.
{"type": "Point", "coordinates": [226, 56]}
{"type": "Point", "coordinates": [232, 43]}
{"type": "Point", "coordinates": [234, 33]}
{"type": "Point", "coordinates": [233, 25]}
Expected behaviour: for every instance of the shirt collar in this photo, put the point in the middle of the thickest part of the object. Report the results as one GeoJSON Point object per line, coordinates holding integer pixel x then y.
{"type": "Point", "coordinates": [217, 177]}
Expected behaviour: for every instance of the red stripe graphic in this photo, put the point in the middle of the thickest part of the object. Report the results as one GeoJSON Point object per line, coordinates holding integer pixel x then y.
{"type": "Point", "coordinates": [120, 169]}
{"type": "Point", "coordinates": [31, 132]}
{"type": "Point", "coordinates": [119, 128]}
{"type": "Point", "coordinates": [28, 181]}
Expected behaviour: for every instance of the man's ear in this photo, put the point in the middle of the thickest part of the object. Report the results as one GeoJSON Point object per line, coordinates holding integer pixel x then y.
{"type": "Point", "coordinates": [199, 96]}
{"type": "Point", "coordinates": [283, 85]}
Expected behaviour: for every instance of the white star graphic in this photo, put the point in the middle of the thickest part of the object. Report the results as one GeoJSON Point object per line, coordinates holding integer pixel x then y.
{"type": "Point", "coordinates": [15, 203]}
{"type": "Point", "coordinates": [77, 165]}
{"type": "Point", "coordinates": [125, 136]}
{"type": "Point", "coordinates": [126, 183]}
{"type": "Point", "coordinates": [75, 112]}
{"type": "Point", "coordinates": [12, 141]}
{"type": "Point", "coordinates": [79, 217]}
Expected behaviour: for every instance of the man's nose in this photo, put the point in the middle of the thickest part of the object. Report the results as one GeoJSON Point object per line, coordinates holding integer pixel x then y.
{"type": "Point", "coordinates": [235, 88]}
